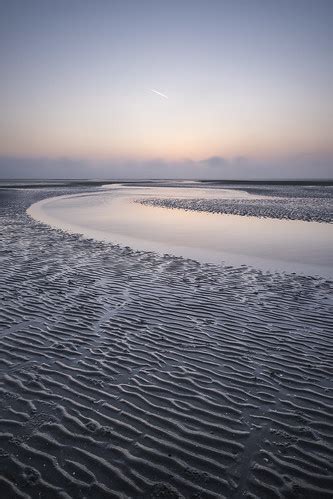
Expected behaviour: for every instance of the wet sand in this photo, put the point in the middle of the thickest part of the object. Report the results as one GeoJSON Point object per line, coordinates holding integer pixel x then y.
{"type": "Point", "coordinates": [128, 374]}
{"type": "Point", "coordinates": [309, 209]}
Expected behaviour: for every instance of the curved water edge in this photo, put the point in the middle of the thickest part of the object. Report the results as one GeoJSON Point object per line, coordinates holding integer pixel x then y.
{"type": "Point", "coordinates": [112, 215]}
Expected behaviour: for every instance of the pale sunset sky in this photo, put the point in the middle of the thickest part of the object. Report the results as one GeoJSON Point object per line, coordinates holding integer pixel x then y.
{"type": "Point", "coordinates": [248, 86]}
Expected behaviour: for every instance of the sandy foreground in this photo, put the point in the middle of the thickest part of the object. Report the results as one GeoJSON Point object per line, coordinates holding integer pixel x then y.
{"type": "Point", "coordinates": [127, 374]}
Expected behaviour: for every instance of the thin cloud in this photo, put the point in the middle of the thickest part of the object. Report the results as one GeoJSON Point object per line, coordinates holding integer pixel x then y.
{"type": "Point", "coordinates": [214, 161]}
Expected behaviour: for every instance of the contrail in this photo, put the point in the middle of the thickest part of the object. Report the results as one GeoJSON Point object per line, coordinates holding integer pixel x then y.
{"type": "Point", "coordinates": [159, 93]}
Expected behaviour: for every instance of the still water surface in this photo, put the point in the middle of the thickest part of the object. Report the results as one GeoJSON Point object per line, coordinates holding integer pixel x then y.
{"type": "Point", "coordinates": [267, 244]}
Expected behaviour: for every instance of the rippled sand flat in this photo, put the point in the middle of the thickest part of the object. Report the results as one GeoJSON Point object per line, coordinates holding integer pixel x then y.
{"type": "Point", "coordinates": [127, 374]}
{"type": "Point", "coordinates": [310, 203]}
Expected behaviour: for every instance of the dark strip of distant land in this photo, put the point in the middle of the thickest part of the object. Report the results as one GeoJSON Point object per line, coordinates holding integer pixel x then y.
{"type": "Point", "coordinates": [39, 184]}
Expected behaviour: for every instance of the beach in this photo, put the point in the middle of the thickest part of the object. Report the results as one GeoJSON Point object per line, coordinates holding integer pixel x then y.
{"type": "Point", "coordinates": [128, 373]}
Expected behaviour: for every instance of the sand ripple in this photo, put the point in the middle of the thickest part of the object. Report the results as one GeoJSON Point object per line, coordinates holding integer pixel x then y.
{"type": "Point", "coordinates": [311, 209]}
{"type": "Point", "coordinates": [124, 374]}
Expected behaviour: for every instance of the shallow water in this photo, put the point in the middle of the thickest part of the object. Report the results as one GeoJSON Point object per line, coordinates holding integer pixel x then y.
{"type": "Point", "coordinates": [267, 244]}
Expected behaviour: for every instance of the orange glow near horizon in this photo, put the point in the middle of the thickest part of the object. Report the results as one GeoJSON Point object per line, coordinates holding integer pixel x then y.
{"type": "Point", "coordinates": [165, 143]}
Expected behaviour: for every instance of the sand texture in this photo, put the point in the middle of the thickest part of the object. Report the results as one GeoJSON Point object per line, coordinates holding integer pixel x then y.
{"type": "Point", "coordinates": [292, 203]}
{"type": "Point", "coordinates": [126, 374]}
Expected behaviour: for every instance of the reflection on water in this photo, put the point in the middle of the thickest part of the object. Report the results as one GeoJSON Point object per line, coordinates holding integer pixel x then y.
{"type": "Point", "coordinates": [112, 215]}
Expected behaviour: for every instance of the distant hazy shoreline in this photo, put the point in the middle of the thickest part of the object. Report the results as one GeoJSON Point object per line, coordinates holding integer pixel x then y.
{"type": "Point", "coordinates": [46, 183]}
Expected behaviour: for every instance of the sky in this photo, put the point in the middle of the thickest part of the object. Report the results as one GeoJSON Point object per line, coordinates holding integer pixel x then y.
{"type": "Point", "coordinates": [248, 86]}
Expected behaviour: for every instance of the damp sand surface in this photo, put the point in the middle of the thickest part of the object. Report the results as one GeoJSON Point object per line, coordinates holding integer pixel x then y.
{"type": "Point", "coordinates": [129, 374]}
